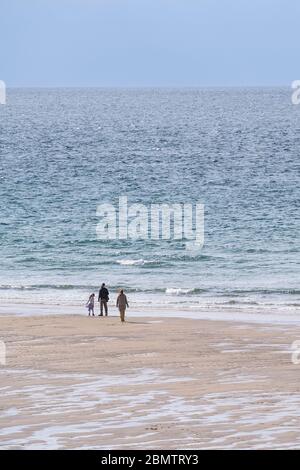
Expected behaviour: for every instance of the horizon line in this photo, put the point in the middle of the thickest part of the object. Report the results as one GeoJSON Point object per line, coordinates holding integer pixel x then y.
{"type": "Point", "coordinates": [145, 86]}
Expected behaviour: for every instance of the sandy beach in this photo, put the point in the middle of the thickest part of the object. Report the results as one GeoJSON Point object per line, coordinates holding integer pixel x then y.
{"type": "Point", "coordinates": [72, 382]}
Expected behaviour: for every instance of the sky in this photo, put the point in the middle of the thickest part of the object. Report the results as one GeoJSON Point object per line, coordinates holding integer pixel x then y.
{"type": "Point", "coordinates": [131, 43]}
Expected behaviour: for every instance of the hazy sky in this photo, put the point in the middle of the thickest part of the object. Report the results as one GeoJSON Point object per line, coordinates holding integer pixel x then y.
{"type": "Point", "coordinates": [149, 42]}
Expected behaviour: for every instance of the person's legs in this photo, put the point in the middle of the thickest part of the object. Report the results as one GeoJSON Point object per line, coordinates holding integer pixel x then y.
{"type": "Point", "coordinates": [105, 307]}
{"type": "Point", "coordinates": [101, 308]}
{"type": "Point", "coordinates": [122, 315]}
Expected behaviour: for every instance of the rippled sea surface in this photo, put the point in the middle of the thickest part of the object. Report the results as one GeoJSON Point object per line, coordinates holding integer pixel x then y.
{"type": "Point", "coordinates": [64, 151]}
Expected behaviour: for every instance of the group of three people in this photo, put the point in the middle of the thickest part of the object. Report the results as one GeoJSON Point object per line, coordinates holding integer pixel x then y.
{"type": "Point", "coordinates": [103, 299]}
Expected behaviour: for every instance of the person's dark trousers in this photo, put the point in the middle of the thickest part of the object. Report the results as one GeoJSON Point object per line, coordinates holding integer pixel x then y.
{"type": "Point", "coordinates": [103, 303]}
{"type": "Point", "coordinates": [122, 314]}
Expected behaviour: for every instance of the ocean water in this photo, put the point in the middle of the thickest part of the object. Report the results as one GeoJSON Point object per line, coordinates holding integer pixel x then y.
{"type": "Point", "coordinates": [64, 151]}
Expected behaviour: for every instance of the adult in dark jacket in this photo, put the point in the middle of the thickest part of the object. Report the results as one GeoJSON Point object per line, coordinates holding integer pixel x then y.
{"type": "Point", "coordinates": [103, 298]}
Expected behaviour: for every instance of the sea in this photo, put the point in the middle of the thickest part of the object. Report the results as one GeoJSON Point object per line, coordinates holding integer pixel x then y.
{"type": "Point", "coordinates": [65, 151]}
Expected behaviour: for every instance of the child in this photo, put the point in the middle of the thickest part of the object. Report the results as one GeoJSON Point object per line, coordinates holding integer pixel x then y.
{"type": "Point", "coordinates": [90, 304]}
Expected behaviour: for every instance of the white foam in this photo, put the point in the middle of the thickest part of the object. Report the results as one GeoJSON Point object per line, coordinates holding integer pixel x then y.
{"type": "Point", "coordinates": [177, 291]}
{"type": "Point", "coordinates": [131, 262]}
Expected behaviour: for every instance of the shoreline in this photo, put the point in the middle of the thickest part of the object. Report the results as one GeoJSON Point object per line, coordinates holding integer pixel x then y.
{"type": "Point", "coordinates": [74, 383]}
{"type": "Point", "coordinates": [254, 314]}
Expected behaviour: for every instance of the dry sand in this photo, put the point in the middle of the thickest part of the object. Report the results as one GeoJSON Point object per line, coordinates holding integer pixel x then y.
{"type": "Point", "coordinates": [78, 382]}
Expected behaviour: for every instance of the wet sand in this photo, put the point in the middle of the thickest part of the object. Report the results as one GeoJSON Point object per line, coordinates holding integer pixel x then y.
{"type": "Point", "coordinates": [74, 382]}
